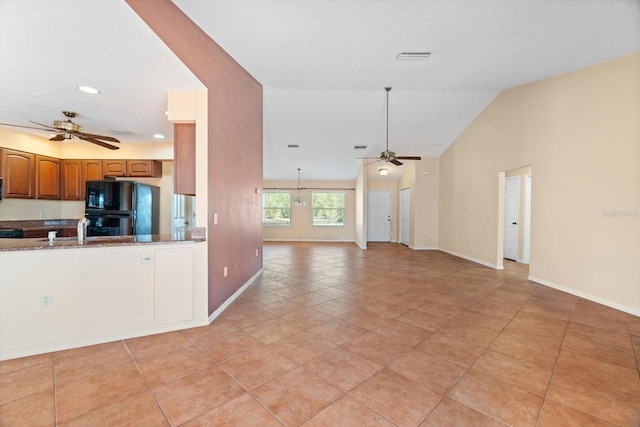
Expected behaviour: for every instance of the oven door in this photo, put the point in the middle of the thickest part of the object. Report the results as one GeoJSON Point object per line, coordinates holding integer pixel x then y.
{"type": "Point", "coordinates": [110, 225]}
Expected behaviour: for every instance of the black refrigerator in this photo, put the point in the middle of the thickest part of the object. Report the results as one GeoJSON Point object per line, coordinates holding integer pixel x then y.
{"type": "Point", "coordinates": [121, 208]}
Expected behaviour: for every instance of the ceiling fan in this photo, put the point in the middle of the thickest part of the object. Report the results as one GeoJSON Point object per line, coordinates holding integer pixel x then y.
{"type": "Point", "coordinates": [387, 155]}
{"type": "Point", "coordinates": [66, 129]}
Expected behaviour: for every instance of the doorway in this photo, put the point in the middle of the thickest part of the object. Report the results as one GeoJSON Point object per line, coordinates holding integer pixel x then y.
{"type": "Point", "coordinates": [183, 213]}
{"type": "Point", "coordinates": [405, 224]}
{"type": "Point", "coordinates": [379, 215]}
{"type": "Point", "coordinates": [514, 236]}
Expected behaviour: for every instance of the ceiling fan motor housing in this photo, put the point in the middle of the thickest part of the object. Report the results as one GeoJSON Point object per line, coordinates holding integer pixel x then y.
{"type": "Point", "coordinates": [67, 126]}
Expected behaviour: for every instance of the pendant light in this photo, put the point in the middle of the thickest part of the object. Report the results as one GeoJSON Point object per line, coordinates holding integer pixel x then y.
{"type": "Point", "coordinates": [299, 201]}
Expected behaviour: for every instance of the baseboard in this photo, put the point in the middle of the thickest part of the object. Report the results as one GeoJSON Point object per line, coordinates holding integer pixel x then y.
{"type": "Point", "coordinates": [101, 339]}
{"type": "Point", "coordinates": [423, 248]}
{"type": "Point", "coordinates": [477, 261]}
{"type": "Point", "coordinates": [586, 296]}
{"type": "Point", "coordinates": [233, 297]}
{"type": "Point", "coordinates": [310, 240]}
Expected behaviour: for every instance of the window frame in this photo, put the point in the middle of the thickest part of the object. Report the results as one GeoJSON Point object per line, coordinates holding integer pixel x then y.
{"type": "Point", "coordinates": [313, 208]}
{"type": "Point", "coordinates": [265, 208]}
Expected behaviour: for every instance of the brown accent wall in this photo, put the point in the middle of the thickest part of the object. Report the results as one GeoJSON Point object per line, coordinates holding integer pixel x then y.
{"type": "Point", "coordinates": [234, 146]}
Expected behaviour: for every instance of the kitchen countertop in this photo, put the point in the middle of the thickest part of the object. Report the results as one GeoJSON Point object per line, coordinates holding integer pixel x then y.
{"type": "Point", "coordinates": [196, 235]}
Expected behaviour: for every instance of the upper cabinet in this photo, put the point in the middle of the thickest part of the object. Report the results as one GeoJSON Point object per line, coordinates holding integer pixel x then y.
{"type": "Point", "coordinates": [71, 186]}
{"type": "Point", "coordinates": [184, 155]}
{"type": "Point", "coordinates": [114, 167]}
{"type": "Point", "coordinates": [144, 168]}
{"type": "Point", "coordinates": [47, 178]}
{"type": "Point", "coordinates": [19, 174]}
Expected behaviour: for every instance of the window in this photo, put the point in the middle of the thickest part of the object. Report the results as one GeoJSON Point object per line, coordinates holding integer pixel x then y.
{"type": "Point", "coordinates": [328, 209]}
{"type": "Point", "coordinates": [276, 208]}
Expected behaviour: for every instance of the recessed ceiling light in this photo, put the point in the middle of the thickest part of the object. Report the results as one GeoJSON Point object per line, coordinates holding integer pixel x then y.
{"type": "Point", "coordinates": [408, 56]}
{"type": "Point", "coordinates": [88, 89]}
{"type": "Point", "coordinates": [158, 136]}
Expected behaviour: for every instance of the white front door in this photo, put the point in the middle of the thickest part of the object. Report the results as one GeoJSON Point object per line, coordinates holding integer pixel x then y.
{"type": "Point", "coordinates": [379, 216]}
{"type": "Point", "coordinates": [511, 217]}
{"type": "Point", "coordinates": [405, 206]}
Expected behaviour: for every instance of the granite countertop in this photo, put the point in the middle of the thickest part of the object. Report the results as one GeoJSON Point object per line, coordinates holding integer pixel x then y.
{"type": "Point", "coordinates": [196, 235]}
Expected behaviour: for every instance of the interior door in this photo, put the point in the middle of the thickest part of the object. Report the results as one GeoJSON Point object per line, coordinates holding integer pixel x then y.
{"type": "Point", "coordinates": [183, 213]}
{"type": "Point", "coordinates": [511, 217]}
{"type": "Point", "coordinates": [379, 216]}
{"type": "Point", "coordinates": [405, 205]}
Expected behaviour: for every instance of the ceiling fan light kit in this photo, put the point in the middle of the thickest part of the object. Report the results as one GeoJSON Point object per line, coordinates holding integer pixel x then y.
{"type": "Point", "coordinates": [383, 171]}
{"type": "Point", "coordinates": [299, 201]}
{"type": "Point", "coordinates": [67, 129]}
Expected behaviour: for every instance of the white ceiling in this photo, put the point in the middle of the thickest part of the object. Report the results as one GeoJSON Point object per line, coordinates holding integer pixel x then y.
{"type": "Point", "coordinates": [323, 64]}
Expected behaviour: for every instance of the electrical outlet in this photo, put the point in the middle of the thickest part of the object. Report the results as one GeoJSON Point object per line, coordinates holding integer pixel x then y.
{"type": "Point", "coordinates": [45, 301]}
{"type": "Point", "coordinates": [146, 259]}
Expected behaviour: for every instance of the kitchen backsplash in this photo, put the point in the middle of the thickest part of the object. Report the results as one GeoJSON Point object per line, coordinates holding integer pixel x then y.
{"type": "Point", "coordinates": [21, 209]}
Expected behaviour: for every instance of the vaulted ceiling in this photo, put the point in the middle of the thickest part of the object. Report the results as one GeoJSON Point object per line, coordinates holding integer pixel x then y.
{"type": "Point", "coordinates": [323, 64]}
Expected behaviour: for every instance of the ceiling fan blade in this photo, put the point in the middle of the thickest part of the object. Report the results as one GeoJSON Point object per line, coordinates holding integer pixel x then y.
{"type": "Point", "coordinates": [43, 125]}
{"type": "Point", "coordinates": [409, 157]}
{"type": "Point", "coordinates": [106, 138]}
{"type": "Point", "coordinates": [100, 143]}
{"type": "Point", "coordinates": [58, 137]}
{"type": "Point", "coordinates": [375, 161]}
{"type": "Point", "coordinates": [396, 162]}
{"type": "Point", "coordinates": [28, 127]}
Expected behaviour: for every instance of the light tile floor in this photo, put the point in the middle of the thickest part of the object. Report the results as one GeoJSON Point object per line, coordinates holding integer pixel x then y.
{"type": "Point", "coordinates": [331, 335]}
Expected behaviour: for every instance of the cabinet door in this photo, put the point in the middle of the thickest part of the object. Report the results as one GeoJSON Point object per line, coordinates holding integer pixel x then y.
{"type": "Point", "coordinates": [47, 178]}
{"type": "Point", "coordinates": [144, 168]}
{"type": "Point", "coordinates": [91, 171]}
{"type": "Point", "coordinates": [19, 174]}
{"type": "Point", "coordinates": [184, 159]}
{"type": "Point", "coordinates": [71, 180]}
{"type": "Point", "coordinates": [114, 167]}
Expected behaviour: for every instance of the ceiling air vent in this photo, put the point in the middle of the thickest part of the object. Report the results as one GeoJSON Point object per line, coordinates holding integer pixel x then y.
{"type": "Point", "coordinates": [359, 147]}
{"type": "Point", "coordinates": [293, 146]}
{"type": "Point", "coordinates": [408, 56]}
{"type": "Point", "coordinates": [121, 132]}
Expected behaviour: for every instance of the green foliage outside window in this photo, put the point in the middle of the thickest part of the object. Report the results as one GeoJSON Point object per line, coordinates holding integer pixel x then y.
{"type": "Point", "coordinates": [328, 209]}
{"type": "Point", "coordinates": [276, 208]}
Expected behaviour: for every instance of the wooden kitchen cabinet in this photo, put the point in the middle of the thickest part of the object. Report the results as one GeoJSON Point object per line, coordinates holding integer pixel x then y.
{"type": "Point", "coordinates": [72, 180]}
{"type": "Point", "coordinates": [114, 167]}
{"type": "Point", "coordinates": [91, 171]}
{"type": "Point", "coordinates": [47, 177]}
{"type": "Point", "coordinates": [144, 168]}
{"type": "Point", "coordinates": [19, 174]}
{"type": "Point", "coordinates": [184, 159]}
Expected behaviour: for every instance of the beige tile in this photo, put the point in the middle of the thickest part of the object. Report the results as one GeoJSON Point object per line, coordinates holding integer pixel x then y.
{"type": "Point", "coordinates": [296, 396]}
{"type": "Point", "coordinates": [195, 394]}
{"type": "Point", "coordinates": [231, 345]}
{"type": "Point", "coordinates": [308, 318]}
{"type": "Point", "coordinates": [497, 399]}
{"type": "Point", "coordinates": [140, 409]}
{"type": "Point", "coordinates": [241, 411]}
{"type": "Point", "coordinates": [387, 309]}
{"type": "Point", "coordinates": [403, 332]}
{"type": "Point", "coordinates": [30, 380]}
{"type": "Point", "coordinates": [95, 391]}
{"type": "Point", "coordinates": [342, 368]}
{"type": "Point", "coordinates": [542, 351]}
{"type": "Point", "coordinates": [303, 347]}
{"type": "Point", "coordinates": [246, 315]}
{"type": "Point", "coordinates": [157, 344]}
{"type": "Point", "coordinates": [334, 308]}
{"type": "Point", "coordinates": [348, 412]}
{"type": "Point", "coordinates": [309, 300]}
{"type": "Point", "coordinates": [92, 362]}
{"type": "Point", "coordinates": [376, 348]}
{"type": "Point", "coordinates": [450, 413]}
{"type": "Point", "coordinates": [258, 366]}
{"type": "Point", "coordinates": [452, 347]}
{"type": "Point", "coordinates": [217, 328]}
{"type": "Point", "coordinates": [338, 331]}
{"type": "Point", "coordinates": [282, 307]}
{"type": "Point", "coordinates": [365, 319]}
{"type": "Point", "coordinates": [34, 410]}
{"type": "Point", "coordinates": [517, 372]}
{"type": "Point", "coordinates": [554, 414]}
{"type": "Point", "coordinates": [167, 367]}
{"type": "Point", "coordinates": [397, 398]}
{"type": "Point", "coordinates": [11, 365]}
{"type": "Point", "coordinates": [599, 344]}
{"type": "Point", "coordinates": [433, 372]}
{"type": "Point", "coordinates": [273, 330]}
{"type": "Point", "coordinates": [423, 320]}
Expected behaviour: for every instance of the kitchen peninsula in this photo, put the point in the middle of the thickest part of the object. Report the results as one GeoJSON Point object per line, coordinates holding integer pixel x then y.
{"type": "Point", "coordinates": [65, 294]}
